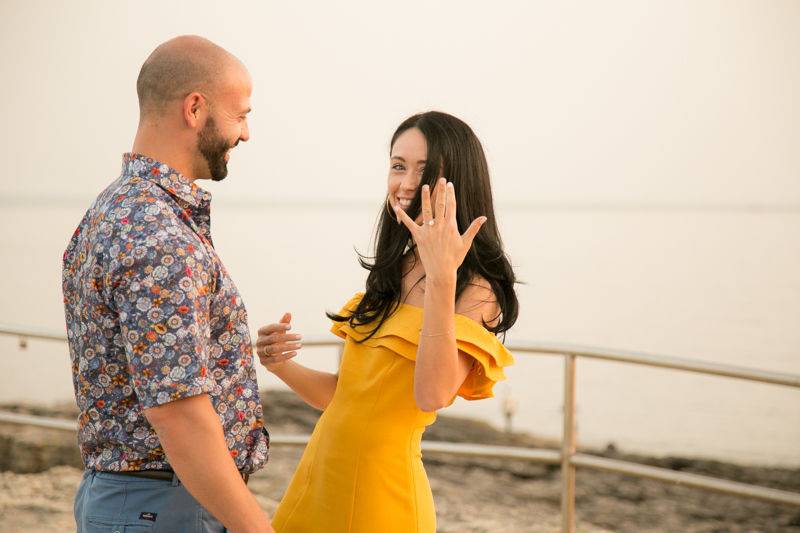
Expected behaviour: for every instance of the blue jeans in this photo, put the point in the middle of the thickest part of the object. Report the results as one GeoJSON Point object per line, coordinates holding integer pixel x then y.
{"type": "Point", "coordinates": [116, 503]}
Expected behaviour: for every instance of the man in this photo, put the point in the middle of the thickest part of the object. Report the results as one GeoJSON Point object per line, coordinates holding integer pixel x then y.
{"type": "Point", "coordinates": [171, 424]}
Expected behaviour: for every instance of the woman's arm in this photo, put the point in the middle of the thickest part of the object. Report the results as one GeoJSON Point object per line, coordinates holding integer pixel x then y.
{"type": "Point", "coordinates": [440, 368]}
{"type": "Point", "coordinates": [275, 347]}
{"type": "Point", "coordinates": [315, 387]}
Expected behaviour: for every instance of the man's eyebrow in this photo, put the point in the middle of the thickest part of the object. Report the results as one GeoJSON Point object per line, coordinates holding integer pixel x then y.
{"type": "Point", "coordinates": [246, 111]}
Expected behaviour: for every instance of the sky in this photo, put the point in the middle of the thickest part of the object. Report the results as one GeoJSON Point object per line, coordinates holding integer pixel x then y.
{"type": "Point", "coordinates": [621, 103]}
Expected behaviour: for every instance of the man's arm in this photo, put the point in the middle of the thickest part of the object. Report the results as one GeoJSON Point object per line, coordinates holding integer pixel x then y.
{"type": "Point", "coordinates": [191, 435]}
{"type": "Point", "coordinates": [155, 298]}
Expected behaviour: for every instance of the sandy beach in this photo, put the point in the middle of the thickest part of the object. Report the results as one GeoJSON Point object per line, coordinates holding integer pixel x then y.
{"type": "Point", "coordinates": [41, 469]}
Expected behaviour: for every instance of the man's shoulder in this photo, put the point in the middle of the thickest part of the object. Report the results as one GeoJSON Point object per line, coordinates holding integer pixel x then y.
{"type": "Point", "coordinates": [132, 192]}
{"type": "Point", "coordinates": [133, 209]}
{"type": "Point", "coordinates": [134, 199]}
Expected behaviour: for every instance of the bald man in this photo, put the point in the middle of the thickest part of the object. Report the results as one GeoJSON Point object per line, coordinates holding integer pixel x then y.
{"type": "Point", "coordinates": [171, 425]}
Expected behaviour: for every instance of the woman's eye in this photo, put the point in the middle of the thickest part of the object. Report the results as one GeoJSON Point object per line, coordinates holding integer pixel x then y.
{"type": "Point", "coordinates": [398, 167]}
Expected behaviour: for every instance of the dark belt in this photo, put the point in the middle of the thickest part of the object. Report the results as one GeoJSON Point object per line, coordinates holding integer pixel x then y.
{"type": "Point", "coordinates": [165, 475]}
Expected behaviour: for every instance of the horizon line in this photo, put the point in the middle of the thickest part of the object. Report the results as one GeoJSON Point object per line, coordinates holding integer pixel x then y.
{"type": "Point", "coordinates": [285, 203]}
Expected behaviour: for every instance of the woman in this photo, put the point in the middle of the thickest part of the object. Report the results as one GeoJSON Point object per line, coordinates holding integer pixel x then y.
{"type": "Point", "coordinates": [421, 333]}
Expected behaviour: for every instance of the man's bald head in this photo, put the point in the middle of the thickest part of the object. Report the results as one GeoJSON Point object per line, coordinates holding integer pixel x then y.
{"type": "Point", "coordinates": [179, 67]}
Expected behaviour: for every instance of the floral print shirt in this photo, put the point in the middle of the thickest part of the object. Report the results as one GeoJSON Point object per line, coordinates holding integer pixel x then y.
{"type": "Point", "coordinates": [152, 317]}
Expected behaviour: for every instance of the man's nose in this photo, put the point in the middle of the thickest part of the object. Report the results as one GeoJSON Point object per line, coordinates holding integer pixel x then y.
{"type": "Point", "coordinates": [245, 134]}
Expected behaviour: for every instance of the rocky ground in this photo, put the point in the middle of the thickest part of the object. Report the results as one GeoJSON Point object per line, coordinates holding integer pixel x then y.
{"type": "Point", "coordinates": [40, 469]}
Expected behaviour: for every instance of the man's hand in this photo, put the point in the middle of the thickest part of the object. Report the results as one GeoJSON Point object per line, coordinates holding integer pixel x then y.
{"type": "Point", "coordinates": [192, 437]}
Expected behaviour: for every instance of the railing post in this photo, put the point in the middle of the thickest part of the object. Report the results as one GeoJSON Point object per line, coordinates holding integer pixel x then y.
{"type": "Point", "coordinates": [568, 447]}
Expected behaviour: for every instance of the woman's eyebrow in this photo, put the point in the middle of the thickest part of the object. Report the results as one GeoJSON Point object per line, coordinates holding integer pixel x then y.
{"type": "Point", "coordinates": [421, 161]}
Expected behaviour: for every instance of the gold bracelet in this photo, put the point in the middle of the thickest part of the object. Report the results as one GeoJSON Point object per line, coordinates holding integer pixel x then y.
{"type": "Point", "coordinates": [434, 334]}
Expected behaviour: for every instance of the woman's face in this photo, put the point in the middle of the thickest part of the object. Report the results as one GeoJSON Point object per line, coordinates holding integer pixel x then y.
{"type": "Point", "coordinates": [407, 161]}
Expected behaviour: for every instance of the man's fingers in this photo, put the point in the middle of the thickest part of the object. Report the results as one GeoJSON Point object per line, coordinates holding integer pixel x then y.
{"type": "Point", "coordinates": [473, 230]}
{"type": "Point", "coordinates": [286, 318]}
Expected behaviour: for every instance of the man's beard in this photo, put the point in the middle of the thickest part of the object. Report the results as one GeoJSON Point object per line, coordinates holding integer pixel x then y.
{"type": "Point", "coordinates": [213, 148]}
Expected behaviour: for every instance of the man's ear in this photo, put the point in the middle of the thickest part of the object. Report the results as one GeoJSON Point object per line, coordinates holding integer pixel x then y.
{"type": "Point", "coordinates": [194, 110]}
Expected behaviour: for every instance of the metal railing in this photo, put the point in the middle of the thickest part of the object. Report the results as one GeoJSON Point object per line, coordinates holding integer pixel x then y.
{"type": "Point", "coordinates": [567, 457]}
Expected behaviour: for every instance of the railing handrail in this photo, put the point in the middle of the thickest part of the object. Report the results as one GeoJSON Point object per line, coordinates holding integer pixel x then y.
{"type": "Point", "coordinates": [568, 457]}
{"type": "Point", "coordinates": [662, 361]}
{"type": "Point", "coordinates": [539, 455]}
{"type": "Point", "coordinates": [538, 347]}
{"type": "Point", "coordinates": [31, 333]}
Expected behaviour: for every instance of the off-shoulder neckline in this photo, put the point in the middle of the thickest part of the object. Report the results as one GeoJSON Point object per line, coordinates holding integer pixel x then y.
{"type": "Point", "coordinates": [419, 309]}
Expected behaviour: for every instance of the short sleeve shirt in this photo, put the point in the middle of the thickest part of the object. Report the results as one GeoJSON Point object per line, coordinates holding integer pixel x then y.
{"type": "Point", "coordinates": [153, 317]}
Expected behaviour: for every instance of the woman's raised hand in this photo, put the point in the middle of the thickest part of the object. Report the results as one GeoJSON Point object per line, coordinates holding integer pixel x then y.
{"type": "Point", "coordinates": [275, 345]}
{"type": "Point", "coordinates": [441, 247]}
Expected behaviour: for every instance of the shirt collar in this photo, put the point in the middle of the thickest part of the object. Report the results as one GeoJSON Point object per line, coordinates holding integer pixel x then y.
{"type": "Point", "coordinates": [169, 179]}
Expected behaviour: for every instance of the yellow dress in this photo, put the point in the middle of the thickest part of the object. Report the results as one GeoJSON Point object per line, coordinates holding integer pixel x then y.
{"type": "Point", "coordinates": [362, 469]}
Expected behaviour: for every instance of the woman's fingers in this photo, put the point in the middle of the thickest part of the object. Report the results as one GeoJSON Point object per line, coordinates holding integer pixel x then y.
{"type": "Point", "coordinates": [271, 360]}
{"type": "Point", "coordinates": [451, 201]}
{"type": "Point", "coordinates": [472, 231]}
{"type": "Point", "coordinates": [284, 345]}
{"type": "Point", "coordinates": [270, 351]}
{"type": "Point", "coordinates": [274, 328]}
{"type": "Point", "coordinates": [271, 332]}
{"type": "Point", "coordinates": [427, 210]}
{"type": "Point", "coordinates": [283, 357]}
{"type": "Point", "coordinates": [441, 199]}
{"type": "Point", "coordinates": [403, 217]}
{"type": "Point", "coordinates": [275, 344]}
{"type": "Point", "coordinates": [276, 358]}
{"type": "Point", "coordinates": [277, 349]}
{"type": "Point", "coordinates": [277, 336]}
{"type": "Point", "coordinates": [283, 325]}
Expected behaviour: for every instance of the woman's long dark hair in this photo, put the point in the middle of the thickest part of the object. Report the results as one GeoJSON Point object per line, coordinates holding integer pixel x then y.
{"type": "Point", "coordinates": [455, 152]}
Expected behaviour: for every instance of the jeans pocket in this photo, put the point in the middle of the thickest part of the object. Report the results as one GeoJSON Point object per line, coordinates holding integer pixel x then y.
{"type": "Point", "coordinates": [115, 503]}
